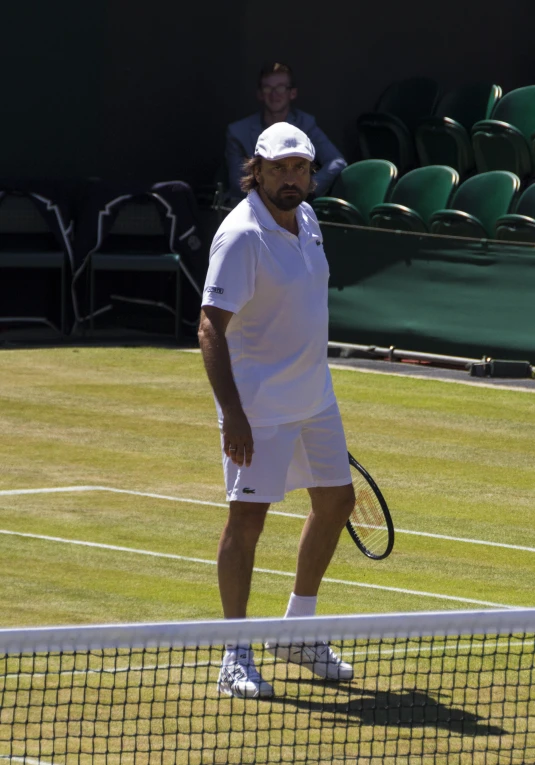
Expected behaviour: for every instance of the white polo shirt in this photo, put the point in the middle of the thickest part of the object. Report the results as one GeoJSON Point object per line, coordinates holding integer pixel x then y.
{"type": "Point", "coordinates": [275, 284]}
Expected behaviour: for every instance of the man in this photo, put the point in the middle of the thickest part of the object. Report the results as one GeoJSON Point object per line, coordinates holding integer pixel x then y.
{"type": "Point", "coordinates": [277, 92]}
{"type": "Point", "coordinates": [263, 336]}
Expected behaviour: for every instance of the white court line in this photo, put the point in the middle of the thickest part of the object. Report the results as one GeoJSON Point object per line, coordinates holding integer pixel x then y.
{"type": "Point", "coordinates": [25, 760]}
{"type": "Point", "coordinates": [416, 376]}
{"type": "Point", "coordinates": [465, 539]}
{"type": "Point", "coordinates": [382, 652]}
{"type": "Point", "coordinates": [273, 572]}
{"type": "Point", "coordinates": [55, 490]}
{"type": "Point", "coordinates": [15, 492]}
{"type": "Point", "coordinates": [122, 670]}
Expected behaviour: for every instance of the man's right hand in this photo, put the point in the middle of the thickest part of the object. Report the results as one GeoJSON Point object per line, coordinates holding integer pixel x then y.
{"type": "Point", "coordinates": [237, 437]}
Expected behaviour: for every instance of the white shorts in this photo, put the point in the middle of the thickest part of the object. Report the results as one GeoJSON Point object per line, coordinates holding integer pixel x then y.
{"type": "Point", "coordinates": [295, 455]}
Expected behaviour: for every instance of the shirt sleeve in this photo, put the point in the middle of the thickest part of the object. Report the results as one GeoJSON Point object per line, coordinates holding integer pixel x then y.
{"type": "Point", "coordinates": [328, 157]}
{"type": "Point", "coordinates": [231, 276]}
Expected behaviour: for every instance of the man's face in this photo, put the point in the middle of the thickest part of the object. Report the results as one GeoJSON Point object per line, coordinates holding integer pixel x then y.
{"type": "Point", "coordinates": [276, 92]}
{"type": "Point", "coordinates": [285, 182]}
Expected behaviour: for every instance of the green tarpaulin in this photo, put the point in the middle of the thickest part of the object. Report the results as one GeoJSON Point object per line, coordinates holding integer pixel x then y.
{"type": "Point", "coordinates": [431, 294]}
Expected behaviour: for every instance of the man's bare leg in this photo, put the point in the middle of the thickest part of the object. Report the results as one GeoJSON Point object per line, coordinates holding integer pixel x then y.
{"type": "Point", "coordinates": [235, 556]}
{"type": "Point", "coordinates": [331, 507]}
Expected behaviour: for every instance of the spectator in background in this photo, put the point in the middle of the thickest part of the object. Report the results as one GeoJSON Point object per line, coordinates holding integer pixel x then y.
{"type": "Point", "coordinates": [276, 93]}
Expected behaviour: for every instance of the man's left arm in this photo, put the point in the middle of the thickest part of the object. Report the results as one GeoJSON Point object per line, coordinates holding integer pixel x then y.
{"type": "Point", "coordinates": [328, 158]}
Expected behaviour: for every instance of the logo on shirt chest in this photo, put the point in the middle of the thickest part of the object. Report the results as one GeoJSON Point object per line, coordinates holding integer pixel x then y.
{"type": "Point", "coordinates": [218, 290]}
{"type": "Point", "coordinates": [318, 242]}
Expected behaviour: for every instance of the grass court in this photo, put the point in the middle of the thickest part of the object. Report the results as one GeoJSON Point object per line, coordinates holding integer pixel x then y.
{"type": "Point", "coordinates": [451, 459]}
{"type": "Point", "coordinates": [131, 436]}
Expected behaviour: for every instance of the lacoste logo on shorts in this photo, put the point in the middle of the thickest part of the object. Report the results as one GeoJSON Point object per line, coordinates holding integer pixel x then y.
{"type": "Point", "coordinates": [318, 242]}
{"type": "Point", "coordinates": [219, 290]}
{"type": "Point", "coordinates": [249, 491]}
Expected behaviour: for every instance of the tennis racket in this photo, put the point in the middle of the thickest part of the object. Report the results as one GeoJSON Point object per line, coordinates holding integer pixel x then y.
{"type": "Point", "coordinates": [370, 524]}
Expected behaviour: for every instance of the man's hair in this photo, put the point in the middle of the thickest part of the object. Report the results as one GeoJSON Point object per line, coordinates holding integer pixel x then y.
{"type": "Point", "coordinates": [276, 67]}
{"type": "Point", "coordinates": [248, 181]}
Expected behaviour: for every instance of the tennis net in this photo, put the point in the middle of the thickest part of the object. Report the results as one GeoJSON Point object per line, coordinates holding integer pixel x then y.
{"type": "Point", "coordinates": [445, 687]}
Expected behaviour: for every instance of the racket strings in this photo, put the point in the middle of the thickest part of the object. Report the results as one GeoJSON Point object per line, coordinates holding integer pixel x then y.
{"type": "Point", "coordinates": [370, 511]}
{"type": "Point", "coordinates": [367, 519]}
{"type": "Point", "coordinates": [370, 524]}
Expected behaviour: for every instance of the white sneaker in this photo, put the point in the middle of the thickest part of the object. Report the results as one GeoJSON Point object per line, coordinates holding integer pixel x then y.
{"type": "Point", "coordinates": [319, 658]}
{"type": "Point", "coordinates": [242, 679]}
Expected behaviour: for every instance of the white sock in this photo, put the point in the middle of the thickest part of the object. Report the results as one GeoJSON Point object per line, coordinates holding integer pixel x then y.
{"type": "Point", "coordinates": [233, 650]}
{"type": "Point", "coordinates": [301, 605]}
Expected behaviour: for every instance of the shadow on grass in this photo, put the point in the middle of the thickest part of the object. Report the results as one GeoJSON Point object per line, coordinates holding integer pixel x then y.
{"type": "Point", "coordinates": [405, 709]}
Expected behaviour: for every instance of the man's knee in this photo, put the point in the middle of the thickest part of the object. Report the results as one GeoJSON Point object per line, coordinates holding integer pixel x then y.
{"type": "Point", "coordinates": [336, 501]}
{"type": "Point", "coordinates": [247, 519]}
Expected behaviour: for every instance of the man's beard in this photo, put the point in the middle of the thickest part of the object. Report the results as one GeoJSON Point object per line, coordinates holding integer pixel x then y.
{"type": "Point", "coordinates": [283, 202]}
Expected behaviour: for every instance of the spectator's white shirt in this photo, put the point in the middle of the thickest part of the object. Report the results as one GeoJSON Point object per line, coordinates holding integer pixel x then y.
{"type": "Point", "coordinates": [276, 286]}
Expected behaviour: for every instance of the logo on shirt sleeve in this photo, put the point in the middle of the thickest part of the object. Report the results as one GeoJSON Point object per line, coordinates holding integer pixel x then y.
{"type": "Point", "coordinates": [218, 290]}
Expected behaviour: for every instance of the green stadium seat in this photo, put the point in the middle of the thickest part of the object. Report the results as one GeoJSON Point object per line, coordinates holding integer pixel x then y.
{"type": "Point", "coordinates": [415, 198]}
{"type": "Point", "coordinates": [444, 139]}
{"type": "Point", "coordinates": [386, 133]}
{"type": "Point", "coordinates": [333, 210]}
{"type": "Point", "coordinates": [365, 184]}
{"type": "Point", "coordinates": [476, 205]}
{"type": "Point", "coordinates": [519, 227]}
{"type": "Point", "coordinates": [506, 142]}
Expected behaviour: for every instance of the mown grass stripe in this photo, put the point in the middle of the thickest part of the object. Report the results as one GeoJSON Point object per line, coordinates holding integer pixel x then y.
{"type": "Point", "coordinates": [273, 572]}
{"type": "Point", "coordinates": [150, 495]}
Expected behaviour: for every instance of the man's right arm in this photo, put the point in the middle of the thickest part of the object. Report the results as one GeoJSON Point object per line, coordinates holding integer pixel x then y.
{"type": "Point", "coordinates": [237, 435]}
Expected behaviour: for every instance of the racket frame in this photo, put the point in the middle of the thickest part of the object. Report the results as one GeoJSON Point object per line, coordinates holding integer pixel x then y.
{"type": "Point", "coordinates": [386, 513]}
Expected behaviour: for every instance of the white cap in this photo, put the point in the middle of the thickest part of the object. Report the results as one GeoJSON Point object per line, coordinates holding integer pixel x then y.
{"type": "Point", "coordinates": [283, 140]}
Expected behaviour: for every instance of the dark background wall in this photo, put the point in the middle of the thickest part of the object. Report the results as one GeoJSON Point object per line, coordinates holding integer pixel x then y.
{"type": "Point", "coordinates": [50, 79]}
{"type": "Point", "coordinates": [124, 88]}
